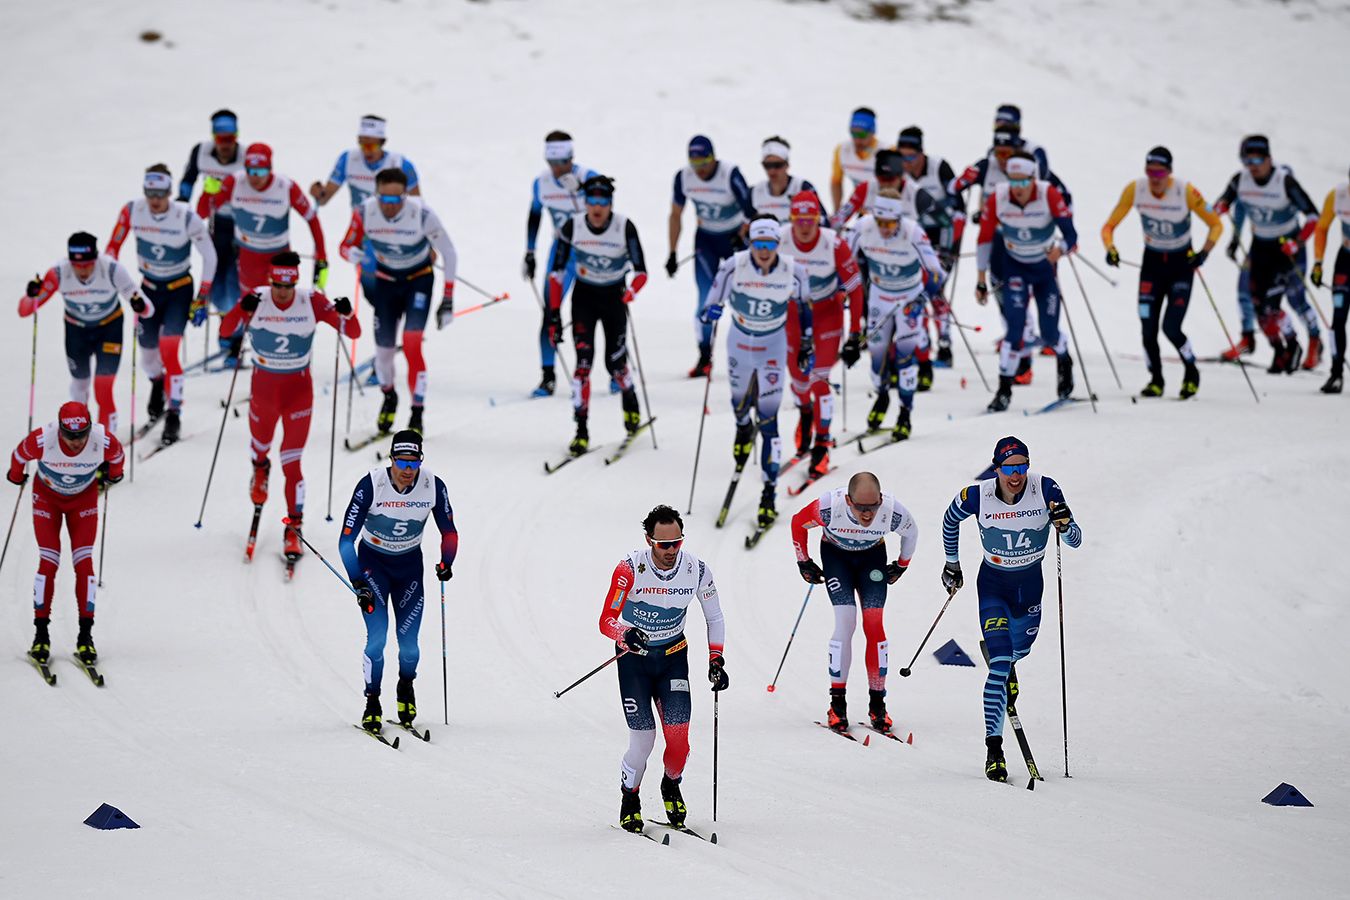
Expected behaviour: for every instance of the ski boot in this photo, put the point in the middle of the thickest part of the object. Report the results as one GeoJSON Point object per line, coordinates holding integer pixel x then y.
{"type": "Point", "coordinates": [1154, 388]}
{"type": "Point", "coordinates": [1244, 347]}
{"type": "Point", "coordinates": [632, 415]}
{"type": "Point", "coordinates": [744, 443]}
{"type": "Point", "coordinates": [925, 374]}
{"type": "Point", "coordinates": [1314, 354]}
{"type": "Point", "coordinates": [630, 811]}
{"type": "Point", "coordinates": [1336, 381]}
{"type": "Point", "coordinates": [1295, 356]}
{"type": "Point", "coordinates": [1024, 373]}
{"type": "Point", "coordinates": [372, 719]}
{"type": "Point", "coordinates": [257, 488]}
{"type": "Point", "coordinates": [384, 422]}
{"type": "Point", "coordinates": [901, 430]}
{"type": "Point", "coordinates": [805, 424]}
{"type": "Point", "coordinates": [836, 717]}
{"type": "Point", "coordinates": [1065, 386]}
{"type": "Point", "coordinates": [876, 711]}
{"type": "Point", "coordinates": [674, 802]}
{"type": "Point", "coordinates": [294, 548]}
{"type": "Point", "coordinates": [877, 414]}
{"type": "Point", "coordinates": [173, 428]}
{"type": "Point", "coordinates": [1190, 382]}
{"type": "Point", "coordinates": [547, 384]}
{"type": "Point", "coordinates": [704, 364]}
{"type": "Point", "coordinates": [41, 651]}
{"type": "Point", "coordinates": [415, 418]}
{"type": "Point", "coordinates": [407, 702]}
{"type": "Point", "coordinates": [155, 408]}
{"type": "Point", "coordinates": [995, 766]}
{"type": "Point", "coordinates": [820, 458]}
{"type": "Point", "coordinates": [582, 442]}
{"type": "Point", "coordinates": [767, 513]}
{"type": "Point", "coordinates": [84, 642]}
{"type": "Point", "coordinates": [1004, 395]}
{"type": "Point", "coordinates": [944, 354]}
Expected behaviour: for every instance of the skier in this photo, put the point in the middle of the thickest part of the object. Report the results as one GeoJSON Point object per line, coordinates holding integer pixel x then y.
{"type": "Point", "coordinates": [402, 232]}
{"type": "Point", "coordinates": [773, 196]}
{"type": "Point", "coordinates": [357, 168]}
{"type": "Point", "coordinates": [894, 256]}
{"type": "Point", "coordinates": [1024, 212]}
{"type": "Point", "coordinates": [558, 190]}
{"type": "Point", "coordinates": [760, 284]}
{"type": "Point", "coordinates": [1278, 257]}
{"type": "Point", "coordinates": [92, 286]}
{"type": "Point", "coordinates": [855, 521]}
{"type": "Point", "coordinates": [889, 174]}
{"type": "Point", "coordinates": [388, 512]}
{"type": "Point", "coordinates": [934, 175]}
{"type": "Point", "coordinates": [604, 247]}
{"type": "Point", "coordinates": [1168, 270]}
{"type": "Point", "coordinates": [1336, 206]}
{"type": "Point", "coordinates": [1008, 118]}
{"type": "Point", "coordinates": [853, 157]}
{"type": "Point", "coordinates": [722, 202]}
{"type": "Point", "coordinates": [165, 234]}
{"type": "Point", "coordinates": [833, 274]}
{"type": "Point", "coordinates": [281, 319]}
{"type": "Point", "coordinates": [644, 611]}
{"type": "Point", "coordinates": [1015, 510]}
{"type": "Point", "coordinates": [74, 458]}
{"type": "Point", "coordinates": [261, 202]}
{"type": "Point", "coordinates": [215, 160]}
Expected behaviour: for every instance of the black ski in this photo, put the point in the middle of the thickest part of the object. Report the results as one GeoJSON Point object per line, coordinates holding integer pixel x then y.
{"type": "Point", "coordinates": [665, 838]}
{"type": "Point", "coordinates": [44, 670]}
{"type": "Point", "coordinates": [91, 670]}
{"type": "Point", "coordinates": [148, 427]}
{"type": "Point", "coordinates": [684, 829]}
{"type": "Point", "coordinates": [1061, 402]}
{"type": "Point", "coordinates": [424, 736]}
{"type": "Point", "coordinates": [290, 562]}
{"type": "Point", "coordinates": [1016, 722]}
{"type": "Point", "coordinates": [161, 447]}
{"type": "Point", "coordinates": [253, 533]}
{"type": "Point", "coordinates": [890, 734]}
{"type": "Point", "coordinates": [811, 478]}
{"type": "Point", "coordinates": [628, 442]}
{"type": "Point", "coordinates": [550, 468]}
{"type": "Point", "coordinates": [842, 734]}
{"type": "Point", "coordinates": [752, 539]}
{"type": "Point", "coordinates": [361, 443]}
{"type": "Point", "coordinates": [890, 441]}
{"type": "Point", "coordinates": [731, 492]}
{"type": "Point", "coordinates": [379, 737]}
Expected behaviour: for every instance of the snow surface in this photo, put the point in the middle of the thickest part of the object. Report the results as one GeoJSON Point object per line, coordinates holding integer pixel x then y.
{"type": "Point", "coordinates": [1202, 615]}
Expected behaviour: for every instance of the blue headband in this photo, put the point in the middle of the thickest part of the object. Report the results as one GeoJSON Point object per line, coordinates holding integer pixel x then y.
{"type": "Point", "coordinates": [224, 125]}
{"type": "Point", "coordinates": [863, 120]}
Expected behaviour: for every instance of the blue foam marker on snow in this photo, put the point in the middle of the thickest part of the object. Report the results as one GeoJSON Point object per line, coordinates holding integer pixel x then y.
{"type": "Point", "coordinates": [492, 401]}
{"type": "Point", "coordinates": [949, 654]}
{"type": "Point", "coordinates": [1286, 795]}
{"type": "Point", "coordinates": [106, 818]}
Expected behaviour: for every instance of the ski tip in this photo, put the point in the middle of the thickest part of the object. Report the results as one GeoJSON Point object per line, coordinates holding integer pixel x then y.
{"type": "Point", "coordinates": [394, 743]}
{"type": "Point", "coordinates": [712, 838]}
{"type": "Point", "coordinates": [665, 840]}
{"type": "Point", "coordinates": [1031, 784]}
{"type": "Point", "coordinates": [867, 740]}
{"type": "Point", "coordinates": [910, 739]}
{"type": "Point", "coordinates": [426, 736]}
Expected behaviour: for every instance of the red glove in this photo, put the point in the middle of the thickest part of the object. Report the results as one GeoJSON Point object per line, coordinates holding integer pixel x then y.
{"type": "Point", "coordinates": [639, 282]}
{"type": "Point", "coordinates": [1289, 247]}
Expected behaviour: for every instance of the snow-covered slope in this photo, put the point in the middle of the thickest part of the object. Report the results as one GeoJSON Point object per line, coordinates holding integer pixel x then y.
{"type": "Point", "coordinates": [1204, 613]}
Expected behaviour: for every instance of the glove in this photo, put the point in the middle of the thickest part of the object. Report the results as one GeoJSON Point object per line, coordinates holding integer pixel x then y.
{"type": "Point", "coordinates": [1197, 259]}
{"type": "Point", "coordinates": [852, 351]}
{"type": "Point", "coordinates": [638, 283]}
{"type": "Point", "coordinates": [711, 314]}
{"type": "Point", "coordinates": [1316, 275]}
{"type": "Point", "coordinates": [805, 352]}
{"type": "Point", "coordinates": [1289, 247]}
{"type": "Point", "coordinates": [717, 674]}
{"type": "Point", "coordinates": [671, 264]}
{"type": "Point", "coordinates": [445, 313]}
{"type": "Point", "coordinates": [34, 286]}
{"type": "Point", "coordinates": [975, 219]}
{"type": "Point", "coordinates": [1061, 517]}
{"type": "Point", "coordinates": [212, 185]}
{"type": "Point", "coordinates": [21, 480]}
{"type": "Point", "coordinates": [811, 573]}
{"type": "Point", "coordinates": [635, 641]}
{"type": "Point", "coordinates": [343, 306]}
{"type": "Point", "coordinates": [197, 310]}
{"type": "Point", "coordinates": [952, 579]}
{"type": "Point", "coordinates": [893, 572]}
{"type": "Point", "coordinates": [1232, 250]}
{"type": "Point", "coordinates": [315, 190]}
{"type": "Point", "coordinates": [250, 302]}
{"type": "Point", "coordinates": [321, 273]}
{"type": "Point", "coordinates": [527, 267]}
{"type": "Point", "coordinates": [553, 325]}
{"type": "Point", "coordinates": [365, 598]}
{"type": "Point", "coordinates": [947, 258]}
{"type": "Point", "coordinates": [982, 293]}
{"type": "Point", "coordinates": [1113, 257]}
{"type": "Point", "coordinates": [137, 304]}
{"type": "Point", "coordinates": [104, 474]}
{"type": "Point", "coordinates": [443, 572]}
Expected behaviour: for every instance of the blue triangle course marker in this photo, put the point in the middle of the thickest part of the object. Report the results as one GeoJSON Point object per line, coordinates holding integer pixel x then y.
{"type": "Point", "coordinates": [1286, 795]}
{"type": "Point", "coordinates": [949, 654]}
{"type": "Point", "coordinates": [106, 818]}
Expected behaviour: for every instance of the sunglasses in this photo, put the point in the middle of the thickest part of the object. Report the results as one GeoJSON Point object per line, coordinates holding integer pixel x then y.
{"type": "Point", "coordinates": [368, 142]}
{"type": "Point", "coordinates": [226, 138]}
{"type": "Point", "coordinates": [404, 465]}
{"type": "Point", "coordinates": [1254, 160]}
{"type": "Point", "coordinates": [598, 200]}
{"type": "Point", "coordinates": [391, 199]}
{"type": "Point", "coordinates": [909, 157]}
{"type": "Point", "coordinates": [774, 166]}
{"type": "Point", "coordinates": [258, 171]}
{"type": "Point", "coordinates": [860, 134]}
{"type": "Point", "coordinates": [561, 163]}
{"type": "Point", "coordinates": [156, 194]}
{"type": "Point", "coordinates": [1020, 182]}
{"type": "Point", "coordinates": [765, 244]}
{"type": "Point", "coordinates": [864, 507]}
{"type": "Point", "coordinates": [699, 161]}
{"type": "Point", "coordinates": [1158, 174]}
{"type": "Point", "coordinates": [667, 545]}
{"type": "Point", "coordinates": [283, 284]}
{"type": "Point", "coordinates": [1019, 469]}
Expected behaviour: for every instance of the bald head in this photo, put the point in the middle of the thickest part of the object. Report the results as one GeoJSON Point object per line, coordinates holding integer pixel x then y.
{"type": "Point", "coordinates": [864, 487]}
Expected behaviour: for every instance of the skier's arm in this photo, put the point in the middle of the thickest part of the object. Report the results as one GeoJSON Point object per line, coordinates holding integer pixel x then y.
{"type": "Point", "coordinates": [676, 225]}
{"type": "Point", "coordinates": [120, 231]}
{"type": "Point", "coordinates": [445, 521]}
{"type": "Point", "coordinates": [439, 238]}
{"type": "Point", "coordinates": [903, 524]}
{"type": "Point", "coordinates": [805, 316]}
{"type": "Point", "coordinates": [836, 179]}
{"type": "Point", "coordinates": [352, 522]}
{"type": "Point", "coordinates": [974, 174]}
{"type": "Point", "coordinates": [620, 583]}
{"type": "Point", "coordinates": [808, 516]}
{"type": "Point", "coordinates": [200, 236]}
{"type": "Point", "coordinates": [300, 203]}
{"type": "Point", "coordinates": [1228, 197]}
{"type": "Point", "coordinates": [1059, 208]}
{"type": "Point", "coordinates": [850, 283]}
{"type": "Point", "coordinates": [414, 184]}
{"type": "Point", "coordinates": [1324, 226]}
{"type": "Point", "coordinates": [29, 449]}
{"type": "Point", "coordinates": [634, 243]}
{"type": "Point", "coordinates": [560, 258]}
{"type": "Point", "coordinates": [125, 286]}
{"type": "Point", "coordinates": [190, 172]}
{"type": "Point", "coordinates": [855, 202]}
{"type": "Point", "coordinates": [536, 216]}
{"type": "Point", "coordinates": [1054, 496]}
{"type": "Point", "coordinates": [988, 227]}
{"type": "Point", "coordinates": [1197, 205]}
{"type": "Point", "coordinates": [712, 611]}
{"type": "Point", "coordinates": [113, 455]}
{"type": "Point", "coordinates": [721, 285]}
{"type": "Point", "coordinates": [928, 257]}
{"type": "Point", "coordinates": [1123, 207]}
{"type": "Point", "coordinates": [1303, 203]}
{"type": "Point", "coordinates": [349, 249]}
{"type": "Point", "coordinates": [234, 320]}
{"type": "Point", "coordinates": [326, 312]}
{"type": "Point", "coordinates": [741, 191]}
{"type": "Point", "coordinates": [50, 282]}
{"type": "Point", "coordinates": [965, 505]}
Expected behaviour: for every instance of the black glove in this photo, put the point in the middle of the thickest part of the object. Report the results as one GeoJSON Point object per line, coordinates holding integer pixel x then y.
{"type": "Point", "coordinates": [1061, 517]}
{"type": "Point", "coordinates": [893, 572]}
{"type": "Point", "coordinates": [250, 301]}
{"type": "Point", "coordinates": [975, 219]}
{"type": "Point", "coordinates": [1316, 275]}
{"type": "Point", "coordinates": [443, 572]}
{"type": "Point", "coordinates": [671, 264]}
{"type": "Point", "coordinates": [527, 267]}
{"type": "Point", "coordinates": [952, 579]}
{"type": "Point", "coordinates": [811, 573]}
{"type": "Point", "coordinates": [805, 351]}
{"type": "Point", "coordinates": [852, 351]}
{"type": "Point", "coordinates": [947, 258]}
{"type": "Point", "coordinates": [34, 286]}
{"type": "Point", "coordinates": [445, 313]}
{"type": "Point", "coordinates": [21, 480]}
{"type": "Point", "coordinates": [982, 292]}
{"type": "Point", "coordinates": [717, 674]}
{"type": "Point", "coordinates": [553, 325]}
{"type": "Point", "coordinates": [105, 474]}
{"type": "Point", "coordinates": [635, 641]}
{"type": "Point", "coordinates": [1197, 259]}
{"type": "Point", "coordinates": [365, 598]}
{"type": "Point", "coordinates": [1113, 257]}
{"type": "Point", "coordinates": [1232, 250]}
{"type": "Point", "coordinates": [343, 306]}
{"type": "Point", "coordinates": [137, 304]}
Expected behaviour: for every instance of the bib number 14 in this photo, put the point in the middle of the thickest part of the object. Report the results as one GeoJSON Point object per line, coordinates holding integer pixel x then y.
{"type": "Point", "coordinates": [1020, 541]}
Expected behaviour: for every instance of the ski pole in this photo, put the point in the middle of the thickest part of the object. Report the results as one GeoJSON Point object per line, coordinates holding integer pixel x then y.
{"type": "Point", "coordinates": [18, 501]}
{"type": "Point", "coordinates": [131, 463]}
{"type": "Point", "coordinates": [473, 287]}
{"type": "Point", "coordinates": [1078, 348]}
{"type": "Point", "coordinates": [698, 447]}
{"type": "Point", "coordinates": [1098, 272]}
{"type": "Point", "coordinates": [904, 672]}
{"type": "Point", "coordinates": [1228, 337]}
{"type": "Point", "coordinates": [843, 396]}
{"type": "Point", "coordinates": [642, 380]}
{"type": "Point", "coordinates": [475, 308]}
{"type": "Point", "coordinates": [557, 694]}
{"type": "Point", "coordinates": [1309, 292]}
{"type": "Point", "coordinates": [1063, 696]}
{"type": "Point", "coordinates": [103, 536]}
{"type": "Point", "coordinates": [969, 349]}
{"type": "Point", "coordinates": [1093, 316]}
{"type": "Point", "coordinates": [305, 541]}
{"type": "Point", "coordinates": [445, 687]}
{"type": "Point", "coordinates": [332, 439]}
{"type": "Point", "coordinates": [716, 695]}
{"type": "Point", "coordinates": [224, 417]}
{"type": "Point", "coordinates": [32, 397]}
{"type": "Point", "coordinates": [557, 348]}
{"type": "Point", "coordinates": [774, 684]}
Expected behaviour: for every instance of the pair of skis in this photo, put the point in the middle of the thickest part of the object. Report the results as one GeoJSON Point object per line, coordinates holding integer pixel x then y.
{"type": "Point", "coordinates": [423, 736]}
{"type": "Point", "coordinates": [45, 670]}
{"type": "Point", "coordinates": [752, 539]}
{"type": "Point", "coordinates": [551, 467]}
{"type": "Point", "coordinates": [867, 738]}
{"type": "Point", "coordinates": [290, 559]}
{"type": "Point", "coordinates": [665, 838]}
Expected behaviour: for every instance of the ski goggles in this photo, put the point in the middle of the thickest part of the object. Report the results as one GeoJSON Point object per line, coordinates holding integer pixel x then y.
{"type": "Point", "coordinates": [598, 200]}
{"type": "Point", "coordinates": [1019, 469]}
{"type": "Point", "coordinates": [699, 162]}
{"type": "Point", "coordinates": [391, 199]}
{"type": "Point", "coordinates": [764, 244]}
{"type": "Point", "coordinates": [1157, 173]}
{"type": "Point", "coordinates": [774, 166]}
{"type": "Point", "coordinates": [1254, 160]}
{"type": "Point", "coordinates": [861, 134]}
{"type": "Point", "coordinates": [403, 465]}
{"type": "Point", "coordinates": [1019, 182]}
{"type": "Point", "coordinates": [865, 507]}
{"type": "Point", "coordinates": [369, 143]}
{"type": "Point", "coordinates": [258, 171]}
{"type": "Point", "coordinates": [667, 545]}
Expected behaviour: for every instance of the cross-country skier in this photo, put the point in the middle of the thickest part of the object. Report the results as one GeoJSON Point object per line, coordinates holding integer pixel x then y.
{"type": "Point", "coordinates": [557, 191]}
{"type": "Point", "coordinates": [1014, 510]}
{"type": "Point", "coordinates": [1023, 214]}
{"type": "Point", "coordinates": [1273, 199]}
{"type": "Point", "coordinates": [165, 234]}
{"type": "Point", "coordinates": [761, 286]}
{"type": "Point", "coordinates": [388, 513]}
{"type": "Point", "coordinates": [773, 196]}
{"type": "Point", "coordinates": [855, 521]}
{"type": "Point", "coordinates": [74, 456]}
{"type": "Point", "coordinates": [1168, 270]}
{"type": "Point", "coordinates": [604, 247]}
{"type": "Point", "coordinates": [402, 231]}
{"type": "Point", "coordinates": [889, 174]}
{"type": "Point", "coordinates": [1336, 206]}
{"type": "Point", "coordinates": [934, 175]}
{"type": "Point", "coordinates": [215, 160]}
{"type": "Point", "coordinates": [721, 200]}
{"type": "Point", "coordinates": [357, 168]}
{"type": "Point", "coordinates": [644, 611]}
{"type": "Point", "coordinates": [92, 286]}
{"type": "Point", "coordinates": [281, 319]}
{"type": "Point", "coordinates": [853, 158]}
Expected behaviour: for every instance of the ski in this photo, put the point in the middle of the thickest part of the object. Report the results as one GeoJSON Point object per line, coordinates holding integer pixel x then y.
{"type": "Point", "coordinates": [628, 442]}
{"type": "Point", "coordinates": [424, 736]}
{"type": "Point", "coordinates": [859, 438]}
{"type": "Point", "coordinates": [1016, 722]}
{"type": "Point", "coordinates": [845, 734]}
{"type": "Point", "coordinates": [161, 447]}
{"type": "Point", "coordinates": [890, 441]}
{"type": "Point", "coordinates": [289, 562]}
{"type": "Point", "coordinates": [811, 479]}
{"type": "Point", "coordinates": [240, 402]}
{"type": "Point", "coordinates": [792, 462]}
{"type": "Point", "coordinates": [890, 734]}
{"type": "Point", "coordinates": [361, 443]}
{"type": "Point", "coordinates": [148, 427]}
{"type": "Point", "coordinates": [731, 492]}
{"type": "Point", "coordinates": [204, 362]}
{"type": "Point", "coordinates": [1062, 401]}
{"type": "Point", "coordinates": [377, 736]}
{"type": "Point", "coordinates": [752, 539]}
{"type": "Point", "coordinates": [89, 669]}
{"type": "Point", "coordinates": [44, 670]}
{"type": "Point", "coordinates": [253, 533]}
{"type": "Point", "coordinates": [665, 838]}
{"type": "Point", "coordinates": [684, 829]}
{"type": "Point", "coordinates": [550, 468]}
